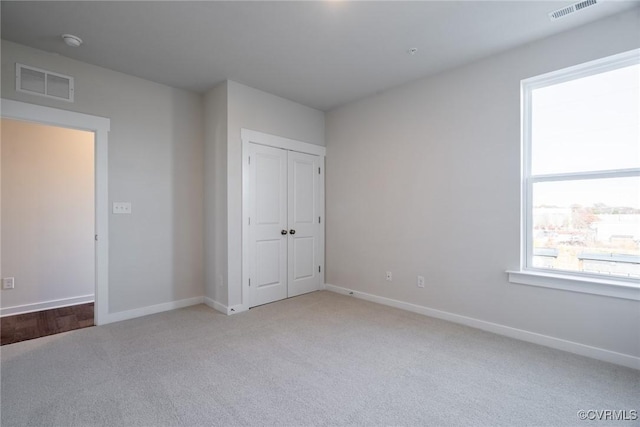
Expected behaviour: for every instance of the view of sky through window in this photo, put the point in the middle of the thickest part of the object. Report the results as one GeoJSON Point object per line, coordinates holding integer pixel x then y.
{"type": "Point", "coordinates": [587, 124]}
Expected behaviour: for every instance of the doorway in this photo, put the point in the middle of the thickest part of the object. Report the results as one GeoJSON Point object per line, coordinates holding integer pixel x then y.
{"type": "Point", "coordinates": [283, 232]}
{"type": "Point", "coordinates": [48, 228]}
{"type": "Point", "coordinates": [98, 127]}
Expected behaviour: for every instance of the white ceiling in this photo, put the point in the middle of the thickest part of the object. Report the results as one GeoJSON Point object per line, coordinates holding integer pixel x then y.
{"type": "Point", "coordinates": [319, 53]}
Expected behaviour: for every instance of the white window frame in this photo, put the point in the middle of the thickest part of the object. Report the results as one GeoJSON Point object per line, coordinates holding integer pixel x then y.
{"type": "Point", "coordinates": [619, 287]}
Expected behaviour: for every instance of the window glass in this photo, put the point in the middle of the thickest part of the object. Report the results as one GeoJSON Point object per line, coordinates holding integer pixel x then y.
{"type": "Point", "coordinates": [587, 124]}
{"type": "Point", "coordinates": [590, 226]}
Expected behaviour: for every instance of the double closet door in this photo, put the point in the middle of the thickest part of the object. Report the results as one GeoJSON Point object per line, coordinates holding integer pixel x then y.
{"type": "Point", "coordinates": [284, 225]}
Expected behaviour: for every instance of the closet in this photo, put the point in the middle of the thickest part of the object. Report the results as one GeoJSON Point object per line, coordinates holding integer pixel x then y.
{"type": "Point", "coordinates": [283, 232]}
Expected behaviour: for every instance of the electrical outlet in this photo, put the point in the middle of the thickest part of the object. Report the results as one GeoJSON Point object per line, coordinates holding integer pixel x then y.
{"type": "Point", "coordinates": [389, 276]}
{"type": "Point", "coordinates": [121, 207]}
{"type": "Point", "coordinates": [8, 283]}
{"type": "Point", "coordinates": [420, 282]}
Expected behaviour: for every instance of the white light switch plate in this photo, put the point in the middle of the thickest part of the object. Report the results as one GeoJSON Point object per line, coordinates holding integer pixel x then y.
{"type": "Point", "coordinates": [121, 207]}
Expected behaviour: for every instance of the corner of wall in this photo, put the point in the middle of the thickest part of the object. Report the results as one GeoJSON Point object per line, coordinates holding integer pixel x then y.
{"type": "Point", "coordinates": [215, 106]}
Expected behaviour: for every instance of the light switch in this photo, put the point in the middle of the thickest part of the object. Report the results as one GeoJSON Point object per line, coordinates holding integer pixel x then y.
{"type": "Point", "coordinates": [121, 207]}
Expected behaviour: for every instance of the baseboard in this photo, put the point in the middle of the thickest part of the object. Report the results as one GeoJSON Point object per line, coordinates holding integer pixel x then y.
{"type": "Point", "coordinates": [223, 308]}
{"type": "Point", "coordinates": [216, 305]}
{"type": "Point", "coordinates": [545, 340]}
{"type": "Point", "coordinates": [235, 309]}
{"type": "Point", "coordinates": [152, 309]}
{"type": "Point", "coordinates": [45, 305]}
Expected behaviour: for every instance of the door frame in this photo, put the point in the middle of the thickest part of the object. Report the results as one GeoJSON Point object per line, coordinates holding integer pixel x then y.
{"type": "Point", "coordinates": [100, 127]}
{"type": "Point", "coordinates": [254, 137]}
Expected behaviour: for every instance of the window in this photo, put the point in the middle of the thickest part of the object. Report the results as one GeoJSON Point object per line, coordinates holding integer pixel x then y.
{"type": "Point", "coordinates": [581, 175]}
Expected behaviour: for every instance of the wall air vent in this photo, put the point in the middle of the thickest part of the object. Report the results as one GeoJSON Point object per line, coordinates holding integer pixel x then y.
{"type": "Point", "coordinates": [44, 83]}
{"type": "Point", "coordinates": [576, 7]}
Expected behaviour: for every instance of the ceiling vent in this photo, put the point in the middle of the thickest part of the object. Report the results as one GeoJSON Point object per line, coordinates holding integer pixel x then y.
{"type": "Point", "coordinates": [44, 83]}
{"type": "Point", "coordinates": [576, 7]}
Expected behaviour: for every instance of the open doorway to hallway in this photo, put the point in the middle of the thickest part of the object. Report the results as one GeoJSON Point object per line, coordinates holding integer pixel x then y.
{"type": "Point", "coordinates": [47, 258]}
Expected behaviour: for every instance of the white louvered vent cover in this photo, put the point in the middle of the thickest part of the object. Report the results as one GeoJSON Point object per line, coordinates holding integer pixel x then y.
{"type": "Point", "coordinates": [576, 7]}
{"type": "Point", "coordinates": [44, 83]}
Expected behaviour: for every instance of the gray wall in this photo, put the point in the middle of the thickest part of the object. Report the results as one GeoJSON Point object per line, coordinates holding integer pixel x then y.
{"type": "Point", "coordinates": [47, 213]}
{"type": "Point", "coordinates": [260, 111]}
{"type": "Point", "coordinates": [424, 179]}
{"type": "Point", "coordinates": [230, 107]}
{"type": "Point", "coordinates": [155, 161]}
{"type": "Point", "coordinates": [215, 226]}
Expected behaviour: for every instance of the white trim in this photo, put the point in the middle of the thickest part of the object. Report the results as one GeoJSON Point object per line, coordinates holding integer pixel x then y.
{"type": "Point", "coordinates": [585, 69]}
{"type": "Point", "coordinates": [575, 176]}
{"type": "Point", "coordinates": [246, 204]}
{"type": "Point", "coordinates": [248, 135]}
{"type": "Point", "coordinates": [323, 226]}
{"type": "Point", "coordinates": [100, 126]}
{"type": "Point", "coordinates": [53, 116]}
{"type": "Point", "coordinates": [253, 137]}
{"type": "Point", "coordinates": [223, 308]}
{"type": "Point", "coordinates": [520, 334]}
{"type": "Point", "coordinates": [574, 283]}
{"type": "Point", "coordinates": [152, 309]}
{"type": "Point", "coordinates": [215, 305]}
{"type": "Point", "coordinates": [45, 305]}
{"type": "Point", "coordinates": [235, 309]}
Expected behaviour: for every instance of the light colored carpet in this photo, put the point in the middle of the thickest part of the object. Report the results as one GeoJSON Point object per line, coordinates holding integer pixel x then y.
{"type": "Point", "coordinates": [318, 359]}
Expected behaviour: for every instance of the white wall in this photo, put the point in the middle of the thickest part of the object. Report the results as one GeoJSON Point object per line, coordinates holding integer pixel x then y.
{"type": "Point", "coordinates": [260, 111]}
{"type": "Point", "coordinates": [155, 161]}
{"type": "Point", "coordinates": [47, 214]}
{"type": "Point", "coordinates": [215, 226]}
{"type": "Point", "coordinates": [424, 179]}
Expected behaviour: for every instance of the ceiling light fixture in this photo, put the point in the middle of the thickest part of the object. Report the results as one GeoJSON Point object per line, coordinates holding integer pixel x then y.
{"type": "Point", "coordinates": [412, 51]}
{"type": "Point", "coordinates": [71, 40]}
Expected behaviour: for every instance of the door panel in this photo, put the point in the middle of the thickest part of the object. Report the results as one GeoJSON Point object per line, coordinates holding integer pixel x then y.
{"type": "Point", "coordinates": [268, 214]}
{"type": "Point", "coordinates": [268, 253]}
{"type": "Point", "coordinates": [304, 219]}
{"type": "Point", "coordinates": [269, 202]}
{"type": "Point", "coordinates": [302, 171]}
{"type": "Point", "coordinates": [303, 266]}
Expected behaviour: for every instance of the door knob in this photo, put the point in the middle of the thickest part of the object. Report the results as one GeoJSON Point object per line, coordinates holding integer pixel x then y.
{"type": "Point", "coordinates": [283, 232]}
{"type": "Point", "coordinates": [292, 231]}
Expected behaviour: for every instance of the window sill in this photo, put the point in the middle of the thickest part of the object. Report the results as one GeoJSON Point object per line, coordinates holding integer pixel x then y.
{"type": "Point", "coordinates": [587, 285]}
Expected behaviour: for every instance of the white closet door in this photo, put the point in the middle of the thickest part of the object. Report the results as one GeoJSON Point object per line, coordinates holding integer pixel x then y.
{"type": "Point", "coordinates": [268, 216]}
{"type": "Point", "coordinates": [304, 227]}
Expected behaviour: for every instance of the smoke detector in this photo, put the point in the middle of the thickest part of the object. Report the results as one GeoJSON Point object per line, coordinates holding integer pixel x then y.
{"type": "Point", "coordinates": [71, 40]}
{"type": "Point", "coordinates": [568, 10]}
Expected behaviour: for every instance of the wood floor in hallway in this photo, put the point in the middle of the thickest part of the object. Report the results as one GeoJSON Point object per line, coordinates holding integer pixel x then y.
{"type": "Point", "coordinates": [22, 327]}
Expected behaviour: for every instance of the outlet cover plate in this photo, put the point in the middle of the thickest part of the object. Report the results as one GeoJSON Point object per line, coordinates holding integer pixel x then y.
{"type": "Point", "coordinates": [121, 207]}
{"type": "Point", "coordinates": [8, 283]}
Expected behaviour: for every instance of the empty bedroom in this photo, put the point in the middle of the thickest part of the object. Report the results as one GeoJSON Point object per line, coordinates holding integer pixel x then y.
{"type": "Point", "coordinates": [300, 213]}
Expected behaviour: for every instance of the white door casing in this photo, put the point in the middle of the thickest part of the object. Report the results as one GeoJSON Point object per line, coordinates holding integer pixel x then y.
{"type": "Point", "coordinates": [283, 190]}
{"type": "Point", "coordinates": [17, 110]}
